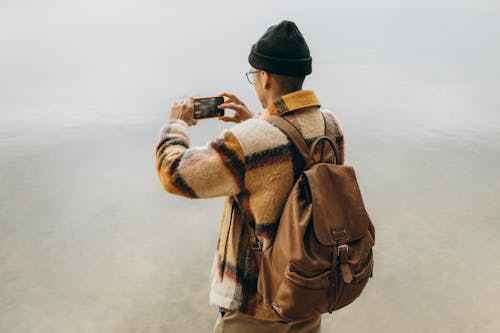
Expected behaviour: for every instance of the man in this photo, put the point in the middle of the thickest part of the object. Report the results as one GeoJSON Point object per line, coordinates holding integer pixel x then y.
{"type": "Point", "coordinates": [255, 166]}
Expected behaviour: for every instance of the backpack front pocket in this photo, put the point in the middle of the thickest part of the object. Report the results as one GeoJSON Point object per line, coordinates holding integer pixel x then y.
{"type": "Point", "coordinates": [300, 296]}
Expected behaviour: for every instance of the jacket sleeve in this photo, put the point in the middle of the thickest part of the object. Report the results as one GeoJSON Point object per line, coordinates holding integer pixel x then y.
{"type": "Point", "coordinates": [216, 169]}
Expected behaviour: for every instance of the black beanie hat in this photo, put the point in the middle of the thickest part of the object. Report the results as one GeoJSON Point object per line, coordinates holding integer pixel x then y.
{"type": "Point", "coordinates": [282, 50]}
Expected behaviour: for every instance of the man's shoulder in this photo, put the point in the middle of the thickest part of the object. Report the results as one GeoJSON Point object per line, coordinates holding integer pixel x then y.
{"type": "Point", "coordinates": [329, 114]}
{"type": "Point", "coordinates": [257, 134]}
{"type": "Point", "coordinates": [332, 117]}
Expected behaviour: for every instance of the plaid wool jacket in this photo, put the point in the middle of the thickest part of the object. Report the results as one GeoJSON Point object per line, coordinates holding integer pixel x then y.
{"type": "Point", "coordinates": [254, 162]}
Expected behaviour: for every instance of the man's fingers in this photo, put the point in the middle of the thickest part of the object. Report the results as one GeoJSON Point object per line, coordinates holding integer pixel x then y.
{"type": "Point", "coordinates": [226, 94]}
{"type": "Point", "coordinates": [230, 96]}
{"type": "Point", "coordinates": [229, 100]}
{"type": "Point", "coordinates": [228, 119]}
{"type": "Point", "coordinates": [232, 106]}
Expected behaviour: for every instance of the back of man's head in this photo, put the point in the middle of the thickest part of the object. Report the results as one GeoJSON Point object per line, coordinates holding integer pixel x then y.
{"type": "Point", "coordinates": [283, 52]}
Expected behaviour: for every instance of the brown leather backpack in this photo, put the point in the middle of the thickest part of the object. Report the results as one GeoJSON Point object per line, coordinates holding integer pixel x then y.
{"type": "Point", "coordinates": [321, 257]}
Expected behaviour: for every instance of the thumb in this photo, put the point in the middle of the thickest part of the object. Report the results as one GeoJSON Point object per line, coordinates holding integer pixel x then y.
{"type": "Point", "coordinates": [228, 119]}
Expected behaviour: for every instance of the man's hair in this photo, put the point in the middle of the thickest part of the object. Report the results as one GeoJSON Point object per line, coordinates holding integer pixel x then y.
{"type": "Point", "coordinates": [289, 84]}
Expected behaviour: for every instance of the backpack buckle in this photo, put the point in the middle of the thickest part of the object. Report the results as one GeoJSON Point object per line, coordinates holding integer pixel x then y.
{"type": "Point", "coordinates": [344, 265]}
{"type": "Point", "coordinates": [343, 251]}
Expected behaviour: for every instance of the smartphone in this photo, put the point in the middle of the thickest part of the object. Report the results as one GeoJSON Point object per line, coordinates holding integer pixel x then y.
{"type": "Point", "coordinates": [206, 107]}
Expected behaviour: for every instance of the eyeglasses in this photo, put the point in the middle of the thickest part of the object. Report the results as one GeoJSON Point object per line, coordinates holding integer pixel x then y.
{"type": "Point", "coordinates": [249, 75]}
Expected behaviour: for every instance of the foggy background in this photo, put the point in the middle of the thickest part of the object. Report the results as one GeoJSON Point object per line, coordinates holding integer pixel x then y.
{"type": "Point", "coordinates": [90, 242]}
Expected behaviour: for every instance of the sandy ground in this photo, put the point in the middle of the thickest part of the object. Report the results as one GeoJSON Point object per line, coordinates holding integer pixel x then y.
{"type": "Point", "coordinates": [90, 242]}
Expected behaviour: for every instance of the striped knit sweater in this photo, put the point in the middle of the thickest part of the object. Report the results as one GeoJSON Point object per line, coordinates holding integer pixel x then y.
{"type": "Point", "coordinates": [255, 162]}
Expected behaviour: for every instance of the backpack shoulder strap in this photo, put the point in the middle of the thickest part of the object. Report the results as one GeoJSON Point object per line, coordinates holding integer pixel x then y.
{"type": "Point", "coordinates": [330, 131]}
{"type": "Point", "coordinates": [292, 133]}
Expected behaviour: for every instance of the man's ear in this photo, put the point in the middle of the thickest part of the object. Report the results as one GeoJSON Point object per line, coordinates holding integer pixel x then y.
{"type": "Point", "coordinates": [266, 80]}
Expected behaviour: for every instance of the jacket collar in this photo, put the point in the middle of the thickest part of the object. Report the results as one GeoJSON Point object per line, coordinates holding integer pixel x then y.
{"type": "Point", "coordinates": [292, 102]}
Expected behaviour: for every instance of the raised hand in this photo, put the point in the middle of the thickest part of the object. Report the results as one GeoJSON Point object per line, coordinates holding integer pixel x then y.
{"type": "Point", "coordinates": [183, 110]}
{"type": "Point", "coordinates": [241, 112]}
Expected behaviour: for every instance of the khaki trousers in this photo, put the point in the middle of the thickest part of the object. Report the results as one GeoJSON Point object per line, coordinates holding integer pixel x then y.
{"type": "Point", "coordinates": [239, 322]}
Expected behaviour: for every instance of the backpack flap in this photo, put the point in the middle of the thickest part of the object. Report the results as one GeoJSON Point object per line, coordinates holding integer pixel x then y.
{"type": "Point", "coordinates": [339, 214]}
